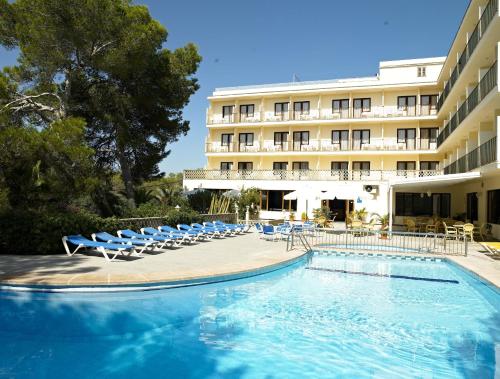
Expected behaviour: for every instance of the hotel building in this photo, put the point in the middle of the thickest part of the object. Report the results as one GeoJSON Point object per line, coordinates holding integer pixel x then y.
{"type": "Point", "coordinates": [419, 138]}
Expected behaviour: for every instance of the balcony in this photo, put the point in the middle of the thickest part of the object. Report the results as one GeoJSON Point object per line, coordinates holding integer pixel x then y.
{"type": "Point", "coordinates": [480, 156]}
{"type": "Point", "coordinates": [325, 114]}
{"type": "Point", "coordinates": [323, 145]}
{"type": "Point", "coordinates": [487, 83]}
{"type": "Point", "coordinates": [488, 14]}
{"type": "Point", "coordinates": [315, 175]}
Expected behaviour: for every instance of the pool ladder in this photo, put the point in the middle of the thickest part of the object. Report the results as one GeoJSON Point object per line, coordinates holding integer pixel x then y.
{"type": "Point", "coordinates": [290, 241]}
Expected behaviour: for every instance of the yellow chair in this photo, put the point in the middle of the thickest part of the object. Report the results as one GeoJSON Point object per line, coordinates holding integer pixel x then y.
{"type": "Point", "coordinates": [357, 227]}
{"type": "Point", "coordinates": [468, 231]}
{"type": "Point", "coordinates": [410, 225]}
{"type": "Point", "coordinates": [450, 231]}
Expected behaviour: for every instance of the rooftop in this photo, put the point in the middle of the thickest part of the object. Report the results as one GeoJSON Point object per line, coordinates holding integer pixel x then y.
{"type": "Point", "coordinates": [367, 81]}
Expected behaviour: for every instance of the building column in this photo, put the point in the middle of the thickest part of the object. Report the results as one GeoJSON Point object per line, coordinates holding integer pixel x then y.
{"type": "Point", "coordinates": [391, 192]}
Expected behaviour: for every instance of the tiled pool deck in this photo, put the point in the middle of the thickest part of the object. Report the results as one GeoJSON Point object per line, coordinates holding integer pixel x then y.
{"type": "Point", "coordinates": [229, 256]}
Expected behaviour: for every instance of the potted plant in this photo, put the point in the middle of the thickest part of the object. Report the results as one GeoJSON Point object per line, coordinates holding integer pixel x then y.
{"type": "Point", "coordinates": [384, 222]}
{"type": "Point", "coordinates": [303, 216]}
{"type": "Point", "coordinates": [361, 214]}
{"type": "Point", "coordinates": [291, 216]}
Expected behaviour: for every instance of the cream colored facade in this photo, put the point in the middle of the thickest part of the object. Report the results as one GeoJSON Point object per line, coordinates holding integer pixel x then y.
{"type": "Point", "coordinates": [411, 128]}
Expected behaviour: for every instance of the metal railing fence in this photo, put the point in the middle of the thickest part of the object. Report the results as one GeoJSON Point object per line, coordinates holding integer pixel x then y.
{"type": "Point", "coordinates": [376, 241]}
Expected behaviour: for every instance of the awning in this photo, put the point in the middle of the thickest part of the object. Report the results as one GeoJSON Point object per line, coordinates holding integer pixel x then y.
{"type": "Point", "coordinates": [433, 181]}
{"type": "Point", "coordinates": [343, 193]}
{"type": "Point", "coordinates": [308, 194]}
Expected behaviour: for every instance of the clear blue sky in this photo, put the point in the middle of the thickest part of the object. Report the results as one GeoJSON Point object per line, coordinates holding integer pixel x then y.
{"type": "Point", "coordinates": [264, 41]}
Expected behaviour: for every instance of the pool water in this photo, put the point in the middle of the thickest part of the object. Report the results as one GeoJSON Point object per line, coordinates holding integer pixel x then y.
{"type": "Point", "coordinates": [329, 316]}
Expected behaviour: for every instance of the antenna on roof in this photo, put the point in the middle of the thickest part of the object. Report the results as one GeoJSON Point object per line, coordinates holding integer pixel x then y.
{"type": "Point", "coordinates": [295, 78]}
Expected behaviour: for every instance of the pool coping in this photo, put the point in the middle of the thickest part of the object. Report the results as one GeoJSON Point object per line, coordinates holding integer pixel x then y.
{"type": "Point", "coordinates": [151, 286]}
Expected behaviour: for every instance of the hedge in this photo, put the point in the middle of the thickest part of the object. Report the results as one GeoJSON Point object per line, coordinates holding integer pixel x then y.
{"type": "Point", "coordinates": [27, 232]}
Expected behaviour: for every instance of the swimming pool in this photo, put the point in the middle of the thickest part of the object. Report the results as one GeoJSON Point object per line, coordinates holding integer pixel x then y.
{"type": "Point", "coordinates": [331, 315]}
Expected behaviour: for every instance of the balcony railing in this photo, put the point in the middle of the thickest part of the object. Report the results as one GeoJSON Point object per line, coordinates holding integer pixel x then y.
{"type": "Point", "coordinates": [486, 84]}
{"type": "Point", "coordinates": [323, 145]}
{"type": "Point", "coordinates": [480, 156]}
{"type": "Point", "coordinates": [481, 27]}
{"type": "Point", "coordinates": [325, 114]}
{"type": "Point", "coordinates": [315, 175]}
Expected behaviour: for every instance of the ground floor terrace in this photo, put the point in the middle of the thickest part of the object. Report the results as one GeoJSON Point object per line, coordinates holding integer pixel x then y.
{"type": "Point", "coordinates": [470, 196]}
{"type": "Point", "coordinates": [214, 260]}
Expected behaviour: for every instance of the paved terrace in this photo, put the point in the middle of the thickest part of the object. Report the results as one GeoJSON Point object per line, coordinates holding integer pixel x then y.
{"type": "Point", "coordinates": [226, 256]}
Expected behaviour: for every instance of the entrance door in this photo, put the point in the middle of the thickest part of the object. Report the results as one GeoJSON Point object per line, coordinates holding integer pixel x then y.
{"type": "Point", "coordinates": [472, 206]}
{"type": "Point", "coordinates": [340, 208]}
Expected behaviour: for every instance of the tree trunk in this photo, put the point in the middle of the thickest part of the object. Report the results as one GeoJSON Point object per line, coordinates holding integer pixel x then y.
{"type": "Point", "coordinates": [126, 176]}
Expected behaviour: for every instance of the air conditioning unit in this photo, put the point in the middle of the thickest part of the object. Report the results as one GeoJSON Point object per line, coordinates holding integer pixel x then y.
{"type": "Point", "coordinates": [370, 188]}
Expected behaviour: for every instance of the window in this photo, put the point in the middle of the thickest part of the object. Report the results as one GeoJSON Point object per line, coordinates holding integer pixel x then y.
{"type": "Point", "coordinates": [227, 112]}
{"type": "Point", "coordinates": [247, 110]}
{"type": "Point", "coordinates": [341, 107]}
{"type": "Point", "coordinates": [280, 109]}
{"type": "Point", "coordinates": [361, 166]}
{"type": "Point", "coordinates": [226, 166]}
{"type": "Point", "coordinates": [280, 165]}
{"type": "Point", "coordinates": [405, 166]}
{"type": "Point", "coordinates": [428, 138]}
{"type": "Point", "coordinates": [281, 139]}
{"type": "Point", "coordinates": [360, 170]}
{"type": "Point", "coordinates": [301, 107]}
{"type": "Point", "coordinates": [406, 138]}
{"type": "Point", "coordinates": [421, 72]}
{"type": "Point", "coordinates": [340, 169]}
{"type": "Point", "coordinates": [429, 165]}
{"type": "Point", "coordinates": [407, 105]}
{"type": "Point", "coordinates": [419, 204]}
{"type": "Point", "coordinates": [245, 166]}
{"type": "Point", "coordinates": [362, 105]}
{"type": "Point", "coordinates": [493, 206]}
{"type": "Point", "coordinates": [246, 139]}
{"type": "Point", "coordinates": [360, 138]}
{"type": "Point", "coordinates": [226, 139]}
{"type": "Point", "coordinates": [300, 139]}
{"type": "Point", "coordinates": [428, 104]}
{"type": "Point", "coordinates": [300, 166]}
{"type": "Point", "coordinates": [274, 201]}
{"type": "Point", "coordinates": [340, 139]}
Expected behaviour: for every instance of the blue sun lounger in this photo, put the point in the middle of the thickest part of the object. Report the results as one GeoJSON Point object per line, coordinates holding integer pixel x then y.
{"type": "Point", "coordinates": [190, 233]}
{"type": "Point", "coordinates": [216, 231]}
{"type": "Point", "coordinates": [140, 245]}
{"type": "Point", "coordinates": [206, 233]}
{"type": "Point", "coordinates": [163, 241]}
{"type": "Point", "coordinates": [241, 227]}
{"type": "Point", "coordinates": [232, 230]}
{"type": "Point", "coordinates": [106, 249]}
{"type": "Point", "coordinates": [178, 239]}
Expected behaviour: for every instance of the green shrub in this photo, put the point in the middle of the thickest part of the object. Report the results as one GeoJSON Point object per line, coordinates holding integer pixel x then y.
{"type": "Point", "coordinates": [181, 216]}
{"type": "Point", "coordinates": [25, 232]}
{"type": "Point", "coordinates": [28, 232]}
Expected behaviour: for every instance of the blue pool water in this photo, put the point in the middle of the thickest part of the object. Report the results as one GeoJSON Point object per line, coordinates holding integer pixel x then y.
{"type": "Point", "coordinates": [379, 317]}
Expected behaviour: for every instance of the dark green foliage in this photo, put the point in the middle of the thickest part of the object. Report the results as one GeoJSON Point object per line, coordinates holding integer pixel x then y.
{"type": "Point", "coordinates": [249, 197]}
{"type": "Point", "coordinates": [200, 201]}
{"type": "Point", "coordinates": [31, 232]}
{"type": "Point", "coordinates": [181, 216]}
{"type": "Point", "coordinates": [28, 232]}
{"type": "Point", "coordinates": [48, 167]}
{"type": "Point", "coordinates": [103, 61]}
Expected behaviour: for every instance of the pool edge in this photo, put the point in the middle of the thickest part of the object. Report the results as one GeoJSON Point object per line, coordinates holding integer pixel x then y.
{"type": "Point", "coordinates": [151, 286]}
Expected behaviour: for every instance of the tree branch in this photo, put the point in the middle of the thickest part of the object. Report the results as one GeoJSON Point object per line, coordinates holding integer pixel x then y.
{"type": "Point", "coordinates": [97, 49]}
{"type": "Point", "coordinates": [27, 102]}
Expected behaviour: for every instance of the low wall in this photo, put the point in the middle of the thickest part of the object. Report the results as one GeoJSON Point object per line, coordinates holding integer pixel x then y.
{"type": "Point", "coordinates": [229, 218]}
{"type": "Point", "coordinates": [155, 222]}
